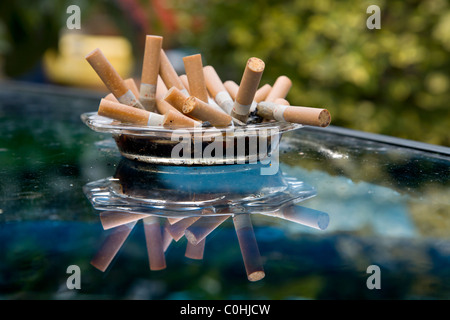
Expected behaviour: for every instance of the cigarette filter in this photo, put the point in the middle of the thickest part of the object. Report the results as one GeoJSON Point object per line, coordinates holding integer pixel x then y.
{"type": "Point", "coordinates": [131, 85]}
{"type": "Point", "coordinates": [280, 89]}
{"type": "Point", "coordinates": [232, 88]}
{"type": "Point", "coordinates": [154, 241]}
{"type": "Point", "coordinates": [176, 98]}
{"type": "Point", "coordinates": [262, 92]}
{"type": "Point", "coordinates": [168, 73]}
{"type": "Point", "coordinates": [302, 115]}
{"type": "Point", "coordinates": [127, 114]}
{"type": "Point", "coordinates": [150, 71]}
{"type": "Point", "coordinates": [112, 79]}
{"type": "Point", "coordinates": [247, 89]}
{"type": "Point", "coordinates": [196, 79]}
{"type": "Point", "coordinates": [198, 109]}
{"type": "Point", "coordinates": [185, 81]}
{"type": "Point", "coordinates": [217, 90]}
{"type": "Point", "coordinates": [175, 119]}
{"type": "Point", "coordinates": [249, 247]}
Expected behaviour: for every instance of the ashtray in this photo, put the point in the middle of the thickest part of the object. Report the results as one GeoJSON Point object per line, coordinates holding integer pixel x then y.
{"type": "Point", "coordinates": [193, 146]}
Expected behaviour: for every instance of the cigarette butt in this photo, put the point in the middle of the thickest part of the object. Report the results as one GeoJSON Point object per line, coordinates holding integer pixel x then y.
{"type": "Point", "coordinates": [154, 242]}
{"type": "Point", "coordinates": [131, 85]}
{"type": "Point", "coordinates": [282, 101]}
{"type": "Point", "coordinates": [112, 79]}
{"type": "Point", "coordinates": [198, 109]}
{"type": "Point", "coordinates": [161, 89]}
{"type": "Point", "coordinates": [217, 89]}
{"type": "Point", "coordinates": [247, 89]}
{"type": "Point", "coordinates": [196, 79]}
{"type": "Point", "coordinates": [111, 246]}
{"type": "Point", "coordinates": [164, 107]}
{"type": "Point", "coordinates": [173, 220]}
{"type": "Point", "coordinates": [177, 229]}
{"type": "Point", "coordinates": [185, 81]}
{"type": "Point", "coordinates": [302, 115]}
{"type": "Point", "coordinates": [150, 71]}
{"type": "Point", "coordinates": [309, 217]}
{"type": "Point", "coordinates": [168, 73]}
{"type": "Point", "coordinates": [176, 98]}
{"type": "Point", "coordinates": [112, 219]}
{"type": "Point", "coordinates": [249, 247]}
{"type": "Point", "coordinates": [175, 119]}
{"type": "Point", "coordinates": [279, 89]}
{"type": "Point", "coordinates": [167, 238]}
{"type": "Point", "coordinates": [232, 88]}
{"type": "Point", "coordinates": [262, 93]}
{"type": "Point", "coordinates": [110, 97]}
{"type": "Point", "coordinates": [127, 114]}
{"type": "Point", "coordinates": [203, 227]}
{"type": "Point", "coordinates": [195, 251]}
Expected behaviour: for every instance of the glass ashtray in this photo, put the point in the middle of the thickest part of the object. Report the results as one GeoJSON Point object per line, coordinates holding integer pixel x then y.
{"type": "Point", "coordinates": [193, 146]}
{"type": "Point", "coordinates": [194, 191]}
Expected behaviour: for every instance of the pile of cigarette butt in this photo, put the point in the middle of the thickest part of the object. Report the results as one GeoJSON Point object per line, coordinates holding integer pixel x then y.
{"type": "Point", "coordinates": [198, 98]}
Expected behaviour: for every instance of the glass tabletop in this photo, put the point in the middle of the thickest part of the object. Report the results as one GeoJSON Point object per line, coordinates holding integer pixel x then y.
{"type": "Point", "coordinates": [348, 215]}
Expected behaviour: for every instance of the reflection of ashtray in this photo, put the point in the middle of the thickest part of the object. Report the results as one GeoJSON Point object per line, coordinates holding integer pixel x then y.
{"type": "Point", "coordinates": [192, 146]}
{"type": "Point", "coordinates": [195, 191]}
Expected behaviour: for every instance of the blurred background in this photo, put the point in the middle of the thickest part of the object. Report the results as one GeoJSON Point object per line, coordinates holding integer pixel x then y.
{"type": "Point", "coordinates": [393, 81]}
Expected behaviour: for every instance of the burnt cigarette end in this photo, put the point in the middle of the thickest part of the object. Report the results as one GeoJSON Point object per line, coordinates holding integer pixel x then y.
{"type": "Point", "coordinates": [324, 118]}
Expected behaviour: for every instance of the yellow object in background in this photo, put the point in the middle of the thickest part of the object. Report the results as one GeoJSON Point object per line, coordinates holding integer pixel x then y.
{"type": "Point", "coordinates": [69, 66]}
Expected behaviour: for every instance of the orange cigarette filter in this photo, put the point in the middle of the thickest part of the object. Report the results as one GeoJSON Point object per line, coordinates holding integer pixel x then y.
{"type": "Point", "coordinates": [169, 74]}
{"type": "Point", "coordinates": [198, 109]}
{"type": "Point", "coordinates": [280, 89]}
{"type": "Point", "coordinates": [247, 89]}
{"type": "Point", "coordinates": [232, 88]}
{"type": "Point", "coordinates": [217, 89]}
{"type": "Point", "coordinates": [175, 119]}
{"type": "Point", "coordinates": [131, 84]}
{"type": "Point", "coordinates": [176, 98]}
{"type": "Point", "coordinates": [196, 79]}
{"type": "Point", "coordinates": [112, 79]}
{"type": "Point", "coordinates": [150, 71]}
{"type": "Point", "coordinates": [282, 101]}
{"type": "Point", "coordinates": [262, 92]}
{"type": "Point", "coordinates": [185, 81]}
{"type": "Point", "coordinates": [127, 114]}
{"type": "Point", "coordinates": [302, 115]}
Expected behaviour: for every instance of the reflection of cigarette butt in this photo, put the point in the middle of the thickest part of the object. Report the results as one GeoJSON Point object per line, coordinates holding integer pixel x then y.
{"type": "Point", "coordinates": [131, 85]}
{"type": "Point", "coordinates": [173, 220]}
{"type": "Point", "coordinates": [167, 238]}
{"type": "Point", "coordinates": [196, 79]}
{"type": "Point", "coordinates": [198, 109]}
{"type": "Point", "coordinates": [154, 241]}
{"type": "Point", "coordinates": [175, 119]}
{"type": "Point", "coordinates": [176, 98]}
{"type": "Point", "coordinates": [305, 216]}
{"type": "Point", "coordinates": [302, 115]}
{"type": "Point", "coordinates": [112, 79]}
{"type": "Point", "coordinates": [280, 89]}
{"type": "Point", "coordinates": [203, 227]}
{"type": "Point", "coordinates": [217, 90]}
{"type": "Point", "coordinates": [249, 247]}
{"type": "Point", "coordinates": [177, 229]}
{"type": "Point", "coordinates": [247, 89]}
{"type": "Point", "coordinates": [127, 114]}
{"type": "Point", "coordinates": [262, 92]}
{"type": "Point", "coordinates": [112, 219]}
{"type": "Point", "coordinates": [150, 71]}
{"type": "Point", "coordinates": [232, 88]}
{"type": "Point", "coordinates": [168, 73]}
{"type": "Point", "coordinates": [195, 251]}
{"type": "Point", "coordinates": [111, 246]}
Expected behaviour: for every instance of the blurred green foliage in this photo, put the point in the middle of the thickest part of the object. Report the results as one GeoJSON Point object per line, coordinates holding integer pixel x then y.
{"type": "Point", "coordinates": [392, 81]}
